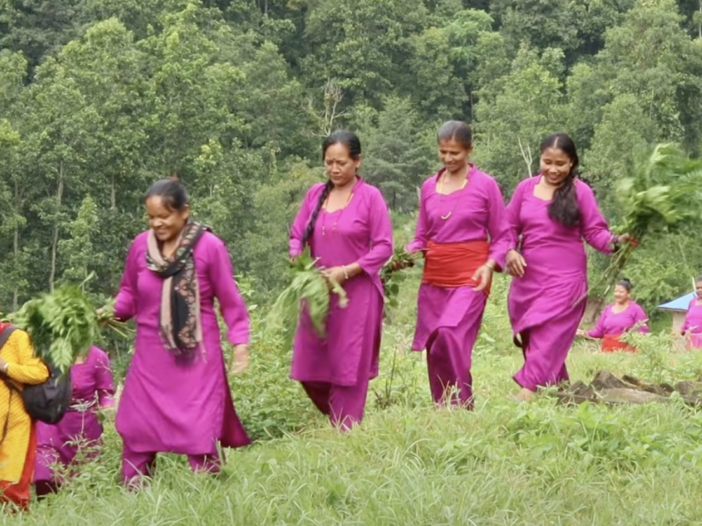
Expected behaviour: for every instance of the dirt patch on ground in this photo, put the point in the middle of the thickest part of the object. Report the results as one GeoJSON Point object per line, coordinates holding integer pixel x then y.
{"type": "Point", "coordinates": [608, 388]}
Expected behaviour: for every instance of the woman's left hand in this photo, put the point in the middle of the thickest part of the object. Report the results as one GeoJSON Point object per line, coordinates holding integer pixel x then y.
{"type": "Point", "coordinates": [628, 239]}
{"type": "Point", "coordinates": [335, 274]}
{"type": "Point", "coordinates": [3, 365]}
{"type": "Point", "coordinates": [482, 276]}
{"type": "Point", "coordinates": [240, 359]}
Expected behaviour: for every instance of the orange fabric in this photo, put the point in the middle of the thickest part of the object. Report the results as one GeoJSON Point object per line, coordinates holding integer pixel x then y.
{"type": "Point", "coordinates": [450, 265]}
{"type": "Point", "coordinates": [19, 492]}
{"type": "Point", "coordinates": [612, 343]}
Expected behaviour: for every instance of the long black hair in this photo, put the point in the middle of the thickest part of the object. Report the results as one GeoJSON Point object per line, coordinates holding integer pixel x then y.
{"type": "Point", "coordinates": [171, 191]}
{"type": "Point", "coordinates": [353, 144]}
{"type": "Point", "coordinates": [564, 207]}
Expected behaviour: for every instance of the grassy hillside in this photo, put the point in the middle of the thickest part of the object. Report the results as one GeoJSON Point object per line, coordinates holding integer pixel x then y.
{"type": "Point", "coordinates": [410, 464]}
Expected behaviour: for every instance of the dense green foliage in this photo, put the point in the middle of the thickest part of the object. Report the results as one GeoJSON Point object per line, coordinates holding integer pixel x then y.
{"type": "Point", "coordinates": [98, 99]}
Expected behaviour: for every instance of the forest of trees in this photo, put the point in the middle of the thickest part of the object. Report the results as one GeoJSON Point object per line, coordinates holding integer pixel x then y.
{"type": "Point", "coordinates": [100, 98]}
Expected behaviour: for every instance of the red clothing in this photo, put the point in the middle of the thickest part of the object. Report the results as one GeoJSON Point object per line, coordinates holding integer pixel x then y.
{"type": "Point", "coordinates": [451, 265]}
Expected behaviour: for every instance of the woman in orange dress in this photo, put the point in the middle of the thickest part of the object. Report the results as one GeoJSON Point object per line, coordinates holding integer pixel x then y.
{"type": "Point", "coordinates": [18, 439]}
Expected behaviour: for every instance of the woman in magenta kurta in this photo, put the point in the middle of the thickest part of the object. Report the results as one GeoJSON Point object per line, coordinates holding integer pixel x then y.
{"type": "Point", "coordinates": [617, 319]}
{"type": "Point", "coordinates": [463, 234]}
{"type": "Point", "coordinates": [550, 215]}
{"type": "Point", "coordinates": [346, 223]}
{"type": "Point", "coordinates": [692, 326]}
{"type": "Point", "coordinates": [79, 430]}
{"type": "Point", "coordinates": [176, 397]}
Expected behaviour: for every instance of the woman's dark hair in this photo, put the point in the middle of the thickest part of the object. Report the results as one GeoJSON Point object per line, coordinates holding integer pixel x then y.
{"type": "Point", "coordinates": [171, 191]}
{"type": "Point", "coordinates": [353, 144]}
{"type": "Point", "coordinates": [564, 207]}
{"type": "Point", "coordinates": [698, 280]}
{"type": "Point", "coordinates": [457, 131]}
{"type": "Point", "coordinates": [624, 282]}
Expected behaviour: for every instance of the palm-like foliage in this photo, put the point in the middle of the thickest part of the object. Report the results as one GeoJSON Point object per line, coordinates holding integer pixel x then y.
{"type": "Point", "coordinates": [662, 194]}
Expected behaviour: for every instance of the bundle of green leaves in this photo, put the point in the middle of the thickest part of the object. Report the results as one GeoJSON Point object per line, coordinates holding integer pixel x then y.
{"type": "Point", "coordinates": [391, 274]}
{"type": "Point", "coordinates": [62, 324]}
{"type": "Point", "coordinates": [308, 290]}
{"type": "Point", "coordinates": [662, 194]}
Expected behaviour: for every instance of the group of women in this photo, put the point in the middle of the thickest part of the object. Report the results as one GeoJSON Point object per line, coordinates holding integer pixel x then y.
{"type": "Point", "coordinates": [176, 396]}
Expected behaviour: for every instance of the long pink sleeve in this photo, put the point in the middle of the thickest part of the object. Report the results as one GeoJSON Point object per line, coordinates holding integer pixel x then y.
{"type": "Point", "coordinates": [498, 226]}
{"type": "Point", "coordinates": [380, 235]}
{"type": "Point", "coordinates": [125, 304]}
{"type": "Point", "coordinates": [686, 324]}
{"type": "Point", "coordinates": [302, 218]}
{"type": "Point", "coordinates": [421, 238]}
{"type": "Point", "coordinates": [641, 317]}
{"type": "Point", "coordinates": [598, 331]}
{"type": "Point", "coordinates": [593, 226]}
{"type": "Point", "coordinates": [231, 304]}
{"type": "Point", "coordinates": [512, 217]}
{"type": "Point", "coordinates": [104, 382]}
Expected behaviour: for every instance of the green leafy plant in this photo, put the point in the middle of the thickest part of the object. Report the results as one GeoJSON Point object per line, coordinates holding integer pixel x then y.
{"type": "Point", "coordinates": [310, 290]}
{"type": "Point", "coordinates": [391, 274]}
{"type": "Point", "coordinates": [661, 195]}
{"type": "Point", "coordinates": [63, 324]}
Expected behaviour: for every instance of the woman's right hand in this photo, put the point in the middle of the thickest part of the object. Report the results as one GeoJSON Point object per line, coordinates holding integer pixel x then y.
{"type": "Point", "coordinates": [515, 263]}
{"type": "Point", "coordinates": [580, 333]}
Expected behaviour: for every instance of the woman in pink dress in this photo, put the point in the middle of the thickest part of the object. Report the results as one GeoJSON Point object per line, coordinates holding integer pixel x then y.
{"type": "Point", "coordinates": [346, 223]}
{"type": "Point", "coordinates": [692, 326]}
{"type": "Point", "coordinates": [617, 319]}
{"type": "Point", "coordinates": [176, 397]}
{"type": "Point", "coordinates": [550, 215]}
{"type": "Point", "coordinates": [463, 234]}
{"type": "Point", "coordinates": [79, 430]}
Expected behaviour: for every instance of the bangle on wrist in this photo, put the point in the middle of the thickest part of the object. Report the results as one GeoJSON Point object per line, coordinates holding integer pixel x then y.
{"type": "Point", "coordinates": [5, 368]}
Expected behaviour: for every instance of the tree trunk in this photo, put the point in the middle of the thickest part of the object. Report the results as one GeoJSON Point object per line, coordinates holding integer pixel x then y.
{"type": "Point", "coordinates": [113, 195]}
{"type": "Point", "coordinates": [15, 249]}
{"type": "Point", "coordinates": [55, 240]}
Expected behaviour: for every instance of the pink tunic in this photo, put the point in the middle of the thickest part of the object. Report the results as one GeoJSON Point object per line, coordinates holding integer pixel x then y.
{"type": "Point", "coordinates": [693, 324]}
{"type": "Point", "coordinates": [175, 405]}
{"type": "Point", "coordinates": [93, 388]}
{"type": "Point", "coordinates": [546, 304]}
{"type": "Point", "coordinates": [616, 324]}
{"type": "Point", "coordinates": [477, 214]}
{"type": "Point", "coordinates": [363, 234]}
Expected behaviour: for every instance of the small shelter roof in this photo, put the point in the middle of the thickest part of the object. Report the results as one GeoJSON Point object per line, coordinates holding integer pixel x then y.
{"type": "Point", "coordinates": [680, 304]}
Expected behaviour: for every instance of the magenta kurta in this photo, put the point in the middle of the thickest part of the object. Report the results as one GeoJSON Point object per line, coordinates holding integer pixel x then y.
{"type": "Point", "coordinates": [617, 323]}
{"type": "Point", "coordinates": [693, 324]}
{"type": "Point", "coordinates": [174, 404]}
{"type": "Point", "coordinates": [363, 234]}
{"type": "Point", "coordinates": [93, 389]}
{"type": "Point", "coordinates": [448, 319]}
{"type": "Point", "coordinates": [547, 303]}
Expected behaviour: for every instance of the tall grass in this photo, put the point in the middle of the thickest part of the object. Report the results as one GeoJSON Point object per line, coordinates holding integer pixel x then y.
{"type": "Point", "coordinates": [410, 464]}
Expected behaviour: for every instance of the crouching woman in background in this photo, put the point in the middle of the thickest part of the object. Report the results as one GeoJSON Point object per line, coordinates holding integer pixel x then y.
{"type": "Point", "coordinates": [79, 431]}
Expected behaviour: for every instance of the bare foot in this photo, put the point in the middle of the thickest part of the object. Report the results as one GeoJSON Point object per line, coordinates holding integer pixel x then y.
{"type": "Point", "coordinates": [525, 395]}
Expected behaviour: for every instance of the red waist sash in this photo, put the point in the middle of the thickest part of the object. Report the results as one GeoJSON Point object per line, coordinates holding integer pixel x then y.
{"type": "Point", "coordinates": [450, 265]}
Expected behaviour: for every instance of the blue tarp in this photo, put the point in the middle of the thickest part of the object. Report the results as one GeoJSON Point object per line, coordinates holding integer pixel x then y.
{"type": "Point", "coordinates": [681, 303]}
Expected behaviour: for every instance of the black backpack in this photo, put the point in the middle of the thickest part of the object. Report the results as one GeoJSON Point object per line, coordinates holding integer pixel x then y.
{"type": "Point", "coordinates": [46, 402]}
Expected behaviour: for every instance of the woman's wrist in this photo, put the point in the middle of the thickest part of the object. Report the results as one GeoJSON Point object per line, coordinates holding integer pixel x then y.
{"type": "Point", "coordinates": [352, 270]}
